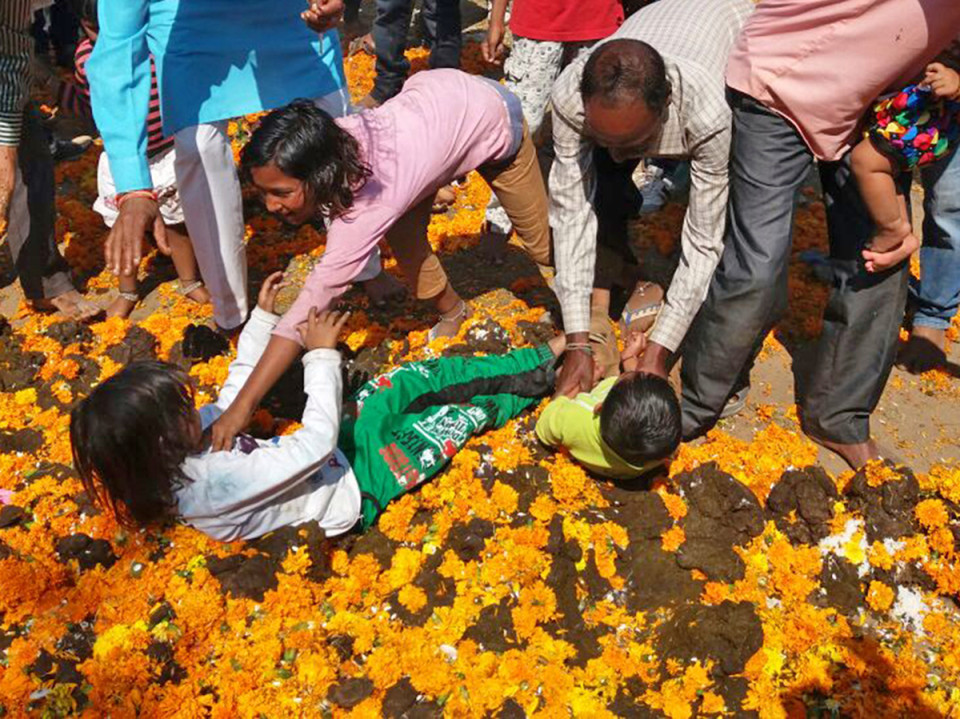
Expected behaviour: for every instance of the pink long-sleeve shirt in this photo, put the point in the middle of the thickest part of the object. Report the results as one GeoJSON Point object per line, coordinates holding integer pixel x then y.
{"type": "Point", "coordinates": [443, 124]}
{"type": "Point", "coordinates": [821, 63]}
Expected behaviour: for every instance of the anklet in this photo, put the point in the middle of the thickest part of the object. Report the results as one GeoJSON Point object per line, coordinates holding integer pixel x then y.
{"type": "Point", "coordinates": [451, 316]}
{"type": "Point", "coordinates": [130, 296]}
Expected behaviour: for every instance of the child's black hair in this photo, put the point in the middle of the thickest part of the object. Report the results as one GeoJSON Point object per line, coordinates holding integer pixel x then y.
{"type": "Point", "coordinates": [129, 438]}
{"type": "Point", "coordinates": [626, 70]}
{"type": "Point", "coordinates": [640, 419]}
{"type": "Point", "coordinates": [304, 142]}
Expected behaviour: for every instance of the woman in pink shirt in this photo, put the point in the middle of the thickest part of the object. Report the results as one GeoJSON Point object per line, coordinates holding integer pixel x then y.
{"type": "Point", "coordinates": [373, 176]}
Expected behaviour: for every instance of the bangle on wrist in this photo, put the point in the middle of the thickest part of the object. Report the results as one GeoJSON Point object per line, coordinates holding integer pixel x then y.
{"type": "Point", "coordinates": [580, 347]}
{"type": "Point", "coordinates": [124, 196]}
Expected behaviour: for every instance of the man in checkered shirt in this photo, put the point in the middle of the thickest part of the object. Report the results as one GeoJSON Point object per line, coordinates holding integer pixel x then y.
{"type": "Point", "coordinates": [654, 89]}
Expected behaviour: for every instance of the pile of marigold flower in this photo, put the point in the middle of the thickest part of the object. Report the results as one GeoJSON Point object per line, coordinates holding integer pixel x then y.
{"type": "Point", "coordinates": [743, 582]}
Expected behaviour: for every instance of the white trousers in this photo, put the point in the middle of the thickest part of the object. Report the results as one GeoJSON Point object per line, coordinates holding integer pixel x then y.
{"type": "Point", "coordinates": [213, 210]}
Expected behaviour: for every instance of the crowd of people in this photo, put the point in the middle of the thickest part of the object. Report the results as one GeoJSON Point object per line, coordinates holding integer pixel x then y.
{"type": "Point", "coordinates": [750, 96]}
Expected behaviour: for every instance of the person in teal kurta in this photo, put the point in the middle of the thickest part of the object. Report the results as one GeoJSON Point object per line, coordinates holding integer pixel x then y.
{"type": "Point", "coordinates": [215, 59]}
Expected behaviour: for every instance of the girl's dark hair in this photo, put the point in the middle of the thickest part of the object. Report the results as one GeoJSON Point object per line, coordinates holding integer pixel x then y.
{"type": "Point", "coordinates": [640, 418]}
{"type": "Point", "coordinates": [130, 437]}
{"type": "Point", "coordinates": [304, 142]}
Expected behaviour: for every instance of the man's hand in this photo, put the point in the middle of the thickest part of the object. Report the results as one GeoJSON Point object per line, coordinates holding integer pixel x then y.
{"type": "Point", "coordinates": [944, 81]}
{"type": "Point", "coordinates": [8, 176]}
{"type": "Point", "coordinates": [124, 247]}
{"type": "Point", "coordinates": [653, 360]}
{"type": "Point", "coordinates": [322, 329]}
{"type": "Point", "coordinates": [322, 15]}
{"type": "Point", "coordinates": [577, 373]}
{"type": "Point", "coordinates": [267, 299]}
{"type": "Point", "coordinates": [492, 46]}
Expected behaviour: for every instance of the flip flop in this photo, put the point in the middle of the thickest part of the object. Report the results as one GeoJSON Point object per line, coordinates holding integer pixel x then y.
{"type": "Point", "coordinates": [645, 303]}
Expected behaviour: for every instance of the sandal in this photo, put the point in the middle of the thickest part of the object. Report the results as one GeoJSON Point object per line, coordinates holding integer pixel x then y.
{"type": "Point", "coordinates": [82, 310]}
{"type": "Point", "coordinates": [606, 354]}
{"type": "Point", "coordinates": [363, 43]}
{"type": "Point", "coordinates": [444, 199]}
{"type": "Point", "coordinates": [185, 287]}
{"type": "Point", "coordinates": [645, 303]}
{"type": "Point", "coordinates": [461, 313]}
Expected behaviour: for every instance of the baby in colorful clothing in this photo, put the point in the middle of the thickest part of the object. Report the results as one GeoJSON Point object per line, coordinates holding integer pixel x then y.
{"type": "Point", "coordinates": [914, 127]}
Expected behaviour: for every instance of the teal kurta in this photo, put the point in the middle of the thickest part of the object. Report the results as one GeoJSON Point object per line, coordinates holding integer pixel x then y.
{"type": "Point", "coordinates": [215, 59]}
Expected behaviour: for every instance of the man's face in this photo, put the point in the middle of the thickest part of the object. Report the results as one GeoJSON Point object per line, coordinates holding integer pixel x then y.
{"type": "Point", "coordinates": [624, 128]}
{"type": "Point", "coordinates": [284, 196]}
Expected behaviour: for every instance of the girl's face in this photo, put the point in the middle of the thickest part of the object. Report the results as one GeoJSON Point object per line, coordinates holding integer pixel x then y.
{"type": "Point", "coordinates": [283, 195]}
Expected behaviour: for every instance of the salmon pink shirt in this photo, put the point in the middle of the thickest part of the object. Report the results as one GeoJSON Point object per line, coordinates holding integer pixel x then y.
{"type": "Point", "coordinates": [443, 124]}
{"type": "Point", "coordinates": [822, 63]}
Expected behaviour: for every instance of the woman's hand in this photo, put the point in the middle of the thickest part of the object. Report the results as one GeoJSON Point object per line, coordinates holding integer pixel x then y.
{"type": "Point", "coordinates": [267, 299]}
{"type": "Point", "coordinates": [228, 426]}
{"type": "Point", "coordinates": [322, 329]}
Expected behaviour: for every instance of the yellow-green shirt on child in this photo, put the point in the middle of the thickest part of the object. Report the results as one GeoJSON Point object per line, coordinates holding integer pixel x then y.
{"type": "Point", "coordinates": [573, 424]}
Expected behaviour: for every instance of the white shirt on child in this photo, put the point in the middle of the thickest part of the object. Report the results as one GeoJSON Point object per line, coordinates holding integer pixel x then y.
{"type": "Point", "coordinates": [268, 484]}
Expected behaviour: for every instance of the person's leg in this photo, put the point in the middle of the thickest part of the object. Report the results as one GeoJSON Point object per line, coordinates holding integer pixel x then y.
{"type": "Point", "coordinates": [336, 103]}
{"type": "Point", "coordinates": [414, 420]}
{"type": "Point", "coordinates": [444, 34]}
{"type": "Point", "coordinates": [390, 36]}
{"type": "Point", "coordinates": [875, 174]}
{"type": "Point", "coordinates": [43, 273]}
{"type": "Point", "coordinates": [422, 269]}
{"type": "Point", "coordinates": [936, 295]}
{"type": "Point", "coordinates": [185, 262]}
{"type": "Point", "coordinates": [748, 292]}
{"type": "Point", "coordinates": [529, 73]}
{"type": "Point", "coordinates": [519, 186]}
{"type": "Point", "coordinates": [213, 209]}
{"type": "Point", "coordinates": [861, 325]}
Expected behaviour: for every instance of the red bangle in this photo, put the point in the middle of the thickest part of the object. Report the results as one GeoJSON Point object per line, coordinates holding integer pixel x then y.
{"type": "Point", "coordinates": [136, 193]}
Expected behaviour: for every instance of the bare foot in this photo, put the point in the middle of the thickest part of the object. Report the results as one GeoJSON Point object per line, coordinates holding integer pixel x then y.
{"type": "Point", "coordinates": [923, 351]}
{"type": "Point", "coordinates": [890, 237]}
{"type": "Point", "coordinates": [120, 307]}
{"type": "Point", "coordinates": [855, 455]}
{"type": "Point", "coordinates": [449, 325]}
{"type": "Point", "coordinates": [367, 102]}
{"type": "Point", "coordinates": [70, 304]}
{"type": "Point", "coordinates": [890, 248]}
{"type": "Point", "coordinates": [384, 289]}
{"type": "Point", "coordinates": [201, 295]}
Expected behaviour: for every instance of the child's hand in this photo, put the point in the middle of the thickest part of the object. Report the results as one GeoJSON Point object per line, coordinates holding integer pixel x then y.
{"type": "Point", "coordinates": [321, 330]}
{"type": "Point", "coordinates": [492, 47]}
{"type": "Point", "coordinates": [634, 343]}
{"type": "Point", "coordinates": [943, 81]}
{"type": "Point", "coordinates": [267, 298]}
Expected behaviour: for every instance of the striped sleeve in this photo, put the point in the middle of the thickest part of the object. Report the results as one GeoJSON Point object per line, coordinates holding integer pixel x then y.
{"type": "Point", "coordinates": [15, 46]}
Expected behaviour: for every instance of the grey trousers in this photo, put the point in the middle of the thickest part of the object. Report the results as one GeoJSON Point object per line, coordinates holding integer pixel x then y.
{"type": "Point", "coordinates": [748, 293]}
{"type": "Point", "coordinates": [43, 272]}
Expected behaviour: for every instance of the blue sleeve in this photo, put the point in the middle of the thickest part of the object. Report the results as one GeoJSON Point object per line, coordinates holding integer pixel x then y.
{"type": "Point", "coordinates": [119, 75]}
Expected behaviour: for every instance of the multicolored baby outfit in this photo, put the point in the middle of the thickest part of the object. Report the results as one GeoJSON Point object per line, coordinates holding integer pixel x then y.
{"type": "Point", "coordinates": [914, 127]}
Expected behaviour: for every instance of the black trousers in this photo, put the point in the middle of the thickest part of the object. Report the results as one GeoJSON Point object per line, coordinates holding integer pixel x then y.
{"type": "Point", "coordinates": [43, 272]}
{"type": "Point", "coordinates": [748, 294]}
{"type": "Point", "coordinates": [441, 21]}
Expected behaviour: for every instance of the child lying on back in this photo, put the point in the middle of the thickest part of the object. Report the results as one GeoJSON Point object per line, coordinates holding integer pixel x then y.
{"type": "Point", "coordinates": [142, 448]}
{"type": "Point", "coordinates": [623, 427]}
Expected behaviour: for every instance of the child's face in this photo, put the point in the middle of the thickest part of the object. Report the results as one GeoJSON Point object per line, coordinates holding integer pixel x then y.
{"type": "Point", "coordinates": [284, 196]}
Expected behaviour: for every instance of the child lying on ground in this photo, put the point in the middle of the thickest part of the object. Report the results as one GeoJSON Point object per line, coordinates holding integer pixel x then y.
{"type": "Point", "coordinates": [915, 127]}
{"type": "Point", "coordinates": [623, 427]}
{"type": "Point", "coordinates": [142, 448]}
